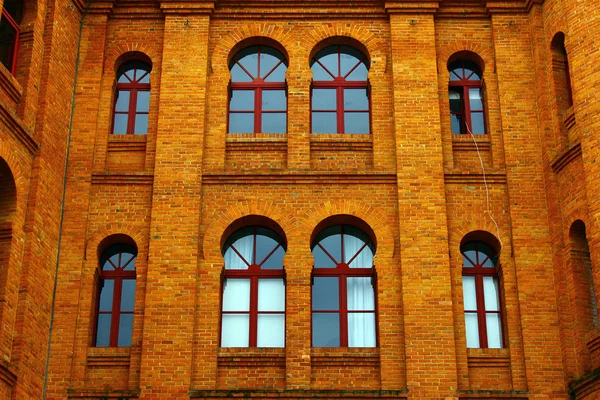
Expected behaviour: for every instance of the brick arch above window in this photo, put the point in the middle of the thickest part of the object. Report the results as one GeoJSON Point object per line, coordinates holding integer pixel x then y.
{"type": "Point", "coordinates": [122, 53]}
{"type": "Point", "coordinates": [135, 233]}
{"type": "Point", "coordinates": [482, 55]}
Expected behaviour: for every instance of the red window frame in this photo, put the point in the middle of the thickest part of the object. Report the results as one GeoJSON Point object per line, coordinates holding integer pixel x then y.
{"type": "Point", "coordinates": [117, 275]}
{"type": "Point", "coordinates": [483, 254]}
{"type": "Point", "coordinates": [15, 46]}
{"type": "Point", "coordinates": [258, 85]}
{"type": "Point", "coordinates": [134, 86]}
{"type": "Point", "coordinates": [254, 273]}
{"type": "Point", "coordinates": [343, 271]}
{"type": "Point", "coordinates": [462, 85]}
{"type": "Point", "coordinates": [339, 83]}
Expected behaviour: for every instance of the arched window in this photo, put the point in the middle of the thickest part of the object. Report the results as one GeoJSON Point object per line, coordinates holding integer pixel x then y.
{"type": "Point", "coordinates": [343, 290]}
{"type": "Point", "coordinates": [116, 296]}
{"type": "Point", "coordinates": [467, 113]}
{"type": "Point", "coordinates": [560, 73]}
{"type": "Point", "coordinates": [340, 101]}
{"type": "Point", "coordinates": [258, 96]}
{"type": "Point", "coordinates": [132, 100]}
{"type": "Point", "coordinates": [12, 12]}
{"type": "Point", "coordinates": [481, 291]}
{"type": "Point", "coordinates": [586, 309]}
{"type": "Point", "coordinates": [253, 304]}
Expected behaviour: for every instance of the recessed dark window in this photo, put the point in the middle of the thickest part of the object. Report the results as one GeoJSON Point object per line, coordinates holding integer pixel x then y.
{"type": "Point", "coordinates": [340, 96]}
{"type": "Point", "coordinates": [481, 292]}
{"type": "Point", "coordinates": [253, 303]}
{"type": "Point", "coordinates": [12, 13]}
{"type": "Point", "coordinates": [258, 95]}
{"type": "Point", "coordinates": [343, 290]}
{"type": "Point", "coordinates": [132, 99]}
{"type": "Point", "coordinates": [467, 114]}
{"type": "Point", "coordinates": [116, 297]}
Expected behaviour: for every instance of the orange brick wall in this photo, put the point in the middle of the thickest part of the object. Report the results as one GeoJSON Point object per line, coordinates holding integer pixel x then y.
{"type": "Point", "coordinates": [176, 191]}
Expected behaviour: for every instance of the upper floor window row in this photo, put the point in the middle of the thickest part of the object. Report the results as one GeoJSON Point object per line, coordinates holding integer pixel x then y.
{"type": "Point", "coordinates": [340, 101]}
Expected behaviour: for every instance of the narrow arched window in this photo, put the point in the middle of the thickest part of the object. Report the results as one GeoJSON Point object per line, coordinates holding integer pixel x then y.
{"type": "Point", "coordinates": [481, 292]}
{"type": "Point", "coordinates": [12, 12]}
{"type": "Point", "coordinates": [253, 303]}
{"type": "Point", "coordinates": [116, 297]}
{"type": "Point", "coordinates": [467, 114]}
{"type": "Point", "coordinates": [132, 99]}
{"type": "Point", "coordinates": [343, 289]}
{"type": "Point", "coordinates": [560, 73]}
{"type": "Point", "coordinates": [340, 101]}
{"type": "Point", "coordinates": [258, 95]}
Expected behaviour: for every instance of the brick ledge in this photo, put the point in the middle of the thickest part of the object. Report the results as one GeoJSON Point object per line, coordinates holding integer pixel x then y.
{"type": "Point", "coordinates": [564, 159]}
{"type": "Point", "coordinates": [585, 386]}
{"type": "Point", "coordinates": [102, 394]}
{"type": "Point", "coordinates": [301, 394]}
{"type": "Point", "coordinates": [7, 374]}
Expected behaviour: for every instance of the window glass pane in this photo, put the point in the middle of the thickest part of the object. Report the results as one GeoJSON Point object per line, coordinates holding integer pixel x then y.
{"type": "Point", "coordinates": [241, 122]}
{"type": "Point", "coordinates": [455, 103]}
{"type": "Point", "coordinates": [271, 295]}
{"type": "Point", "coordinates": [244, 246]}
{"type": "Point", "coordinates": [122, 100]}
{"type": "Point", "coordinates": [359, 74]}
{"type": "Point", "coordinates": [361, 295]}
{"type": "Point", "coordinates": [356, 122]}
{"type": "Point", "coordinates": [143, 77]}
{"type": "Point", "coordinates": [143, 101]}
{"type": "Point", "coordinates": [234, 330]}
{"type": "Point", "coordinates": [274, 122]}
{"type": "Point", "coordinates": [456, 123]}
{"type": "Point", "coordinates": [326, 330]}
{"type": "Point", "coordinates": [469, 258]}
{"type": "Point", "coordinates": [278, 75]}
{"type": "Point", "coordinates": [238, 74]}
{"type": "Point", "coordinates": [124, 75]}
{"type": "Point", "coordinates": [264, 246]}
{"type": "Point", "coordinates": [248, 57]}
{"type": "Point", "coordinates": [329, 58]}
{"type": "Point", "coordinates": [470, 67]}
{"type": "Point", "coordinates": [275, 261]}
{"type": "Point", "coordinates": [319, 74]}
{"type": "Point", "coordinates": [356, 99]}
{"type": "Point", "coordinates": [271, 330]}
{"type": "Point", "coordinates": [103, 330]}
{"type": "Point", "coordinates": [488, 262]}
{"type": "Point", "coordinates": [242, 100]}
{"type": "Point", "coordinates": [332, 242]}
{"type": "Point", "coordinates": [456, 74]}
{"type": "Point", "coordinates": [472, 327]}
{"type": "Point", "coordinates": [269, 57]}
{"type": "Point", "coordinates": [349, 57]}
{"type": "Point", "coordinates": [128, 261]}
{"type": "Point", "coordinates": [354, 240]}
{"type": "Point", "coordinates": [475, 99]}
{"type": "Point", "coordinates": [469, 293]}
{"type": "Point", "coordinates": [324, 122]}
{"type": "Point", "coordinates": [125, 330]}
{"type": "Point", "coordinates": [494, 330]}
{"type": "Point", "coordinates": [274, 100]}
{"type": "Point", "coordinates": [361, 330]}
{"type": "Point", "coordinates": [322, 260]}
{"type": "Point", "coordinates": [107, 287]}
{"type": "Point", "coordinates": [127, 295]}
{"type": "Point", "coordinates": [120, 125]}
{"type": "Point", "coordinates": [141, 124]}
{"type": "Point", "coordinates": [478, 127]}
{"type": "Point", "coordinates": [490, 290]}
{"type": "Point", "coordinates": [236, 295]}
{"type": "Point", "coordinates": [324, 99]}
{"type": "Point", "coordinates": [325, 293]}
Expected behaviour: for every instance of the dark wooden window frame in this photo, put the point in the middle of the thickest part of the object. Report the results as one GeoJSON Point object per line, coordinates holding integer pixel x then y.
{"type": "Point", "coordinates": [15, 49]}
{"type": "Point", "coordinates": [340, 83]}
{"type": "Point", "coordinates": [343, 271]}
{"type": "Point", "coordinates": [118, 276]}
{"type": "Point", "coordinates": [463, 85]}
{"type": "Point", "coordinates": [133, 87]}
{"type": "Point", "coordinates": [254, 273]}
{"type": "Point", "coordinates": [478, 271]}
{"type": "Point", "coordinates": [258, 85]}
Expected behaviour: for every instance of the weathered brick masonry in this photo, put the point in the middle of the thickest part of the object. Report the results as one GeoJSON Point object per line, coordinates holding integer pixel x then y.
{"type": "Point", "coordinates": [530, 186]}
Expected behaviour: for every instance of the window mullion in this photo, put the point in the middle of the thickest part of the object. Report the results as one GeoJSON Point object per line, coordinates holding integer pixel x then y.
{"type": "Point", "coordinates": [116, 313]}
{"type": "Point", "coordinates": [343, 311]}
{"type": "Point", "coordinates": [467, 109]}
{"type": "Point", "coordinates": [479, 293]}
{"type": "Point", "coordinates": [253, 323]}
{"type": "Point", "coordinates": [131, 111]}
{"type": "Point", "coordinates": [340, 109]}
{"type": "Point", "coordinates": [257, 110]}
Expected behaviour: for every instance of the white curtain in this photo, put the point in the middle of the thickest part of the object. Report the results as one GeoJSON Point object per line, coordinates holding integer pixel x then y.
{"type": "Point", "coordinates": [361, 325]}
{"type": "Point", "coordinates": [244, 246]}
{"type": "Point", "coordinates": [352, 245]}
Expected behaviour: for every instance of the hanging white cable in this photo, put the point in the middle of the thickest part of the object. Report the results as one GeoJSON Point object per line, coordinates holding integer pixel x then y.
{"type": "Point", "coordinates": [487, 191]}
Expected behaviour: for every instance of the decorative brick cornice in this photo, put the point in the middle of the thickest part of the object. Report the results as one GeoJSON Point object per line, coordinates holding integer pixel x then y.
{"type": "Point", "coordinates": [586, 386]}
{"type": "Point", "coordinates": [301, 394]}
{"type": "Point", "coordinates": [506, 6]}
{"type": "Point", "coordinates": [5, 230]}
{"type": "Point", "coordinates": [299, 8]}
{"type": "Point", "coordinates": [565, 158]}
{"type": "Point", "coordinates": [102, 394]}
{"type": "Point", "coordinates": [122, 179]}
{"type": "Point", "coordinates": [493, 394]}
{"type": "Point", "coordinates": [101, 6]}
{"type": "Point", "coordinates": [80, 4]}
{"type": "Point", "coordinates": [412, 6]}
{"type": "Point", "coordinates": [324, 178]}
{"type": "Point", "coordinates": [569, 118]}
{"type": "Point", "coordinates": [7, 375]}
{"type": "Point", "coordinates": [475, 178]}
{"type": "Point", "coordinates": [187, 7]}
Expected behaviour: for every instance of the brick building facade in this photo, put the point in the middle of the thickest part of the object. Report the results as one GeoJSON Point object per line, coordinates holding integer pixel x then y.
{"type": "Point", "coordinates": [419, 179]}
